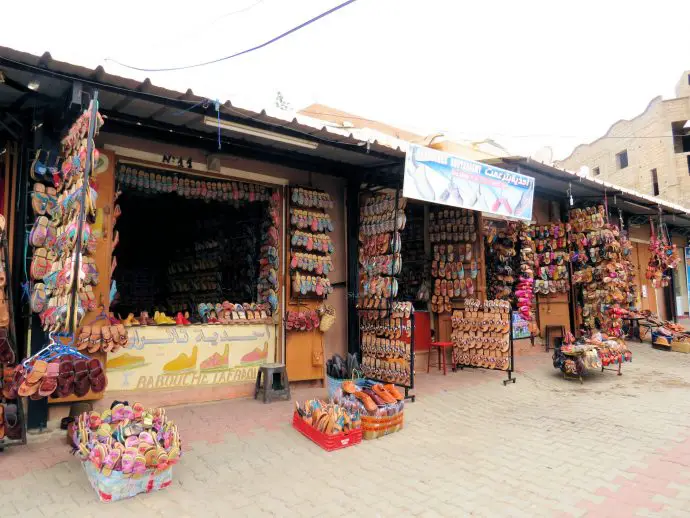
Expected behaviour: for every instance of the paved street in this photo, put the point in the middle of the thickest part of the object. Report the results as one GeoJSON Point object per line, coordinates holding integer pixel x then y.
{"type": "Point", "coordinates": [615, 446]}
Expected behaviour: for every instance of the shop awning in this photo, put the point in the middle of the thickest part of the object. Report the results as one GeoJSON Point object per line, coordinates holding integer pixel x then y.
{"type": "Point", "coordinates": [555, 183]}
{"type": "Point", "coordinates": [140, 108]}
{"type": "Point", "coordinates": [146, 110]}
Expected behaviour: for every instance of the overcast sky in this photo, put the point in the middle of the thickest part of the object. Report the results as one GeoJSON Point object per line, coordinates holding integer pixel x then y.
{"type": "Point", "coordinates": [529, 74]}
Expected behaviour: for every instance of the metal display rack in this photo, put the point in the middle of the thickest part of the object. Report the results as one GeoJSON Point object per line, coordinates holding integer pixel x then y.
{"type": "Point", "coordinates": [409, 387]}
{"type": "Point", "coordinates": [391, 301]}
{"type": "Point", "coordinates": [511, 368]}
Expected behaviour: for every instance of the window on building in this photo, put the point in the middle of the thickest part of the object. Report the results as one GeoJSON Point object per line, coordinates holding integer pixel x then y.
{"type": "Point", "coordinates": [596, 171]}
{"type": "Point", "coordinates": [688, 157]}
{"type": "Point", "coordinates": [681, 136]}
{"type": "Point", "coordinates": [655, 183]}
{"type": "Point", "coordinates": [622, 159]}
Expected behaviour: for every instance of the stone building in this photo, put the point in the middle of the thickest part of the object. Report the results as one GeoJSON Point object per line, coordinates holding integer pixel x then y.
{"type": "Point", "coordinates": [650, 153]}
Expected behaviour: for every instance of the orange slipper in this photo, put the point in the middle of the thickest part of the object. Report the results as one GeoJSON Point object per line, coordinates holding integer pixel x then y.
{"type": "Point", "coordinates": [383, 394]}
{"type": "Point", "coordinates": [393, 391]}
{"type": "Point", "coordinates": [367, 401]}
{"type": "Point", "coordinates": [349, 387]}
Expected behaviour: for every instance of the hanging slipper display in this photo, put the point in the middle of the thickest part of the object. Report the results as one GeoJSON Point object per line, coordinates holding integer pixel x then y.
{"type": "Point", "coordinates": [311, 248]}
{"type": "Point", "coordinates": [663, 255]}
{"type": "Point", "coordinates": [453, 234]}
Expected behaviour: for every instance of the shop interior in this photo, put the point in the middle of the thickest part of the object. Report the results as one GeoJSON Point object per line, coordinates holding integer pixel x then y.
{"type": "Point", "coordinates": [186, 253]}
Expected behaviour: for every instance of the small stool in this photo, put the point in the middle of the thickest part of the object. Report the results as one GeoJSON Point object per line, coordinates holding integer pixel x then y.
{"type": "Point", "coordinates": [275, 382]}
{"type": "Point", "coordinates": [441, 348]}
{"type": "Point", "coordinates": [547, 334]}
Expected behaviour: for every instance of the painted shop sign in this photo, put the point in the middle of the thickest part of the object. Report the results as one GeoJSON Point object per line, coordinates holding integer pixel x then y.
{"type": "Point", "coordinates": [197, 356]}
{"type": "Point", "coordinates": [438, 177]}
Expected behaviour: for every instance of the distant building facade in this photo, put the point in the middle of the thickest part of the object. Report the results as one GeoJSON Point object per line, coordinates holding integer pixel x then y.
{"type": "Point", "coordinates": [650, 153]}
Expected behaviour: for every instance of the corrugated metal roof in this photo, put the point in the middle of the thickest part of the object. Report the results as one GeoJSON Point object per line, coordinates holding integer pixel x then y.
{"type": "Point", "coordinates": [364, 145]}
{"type": "Point", "coordinates": [558, 181]}
{"type": "Point", "coordinates": [361, 147]}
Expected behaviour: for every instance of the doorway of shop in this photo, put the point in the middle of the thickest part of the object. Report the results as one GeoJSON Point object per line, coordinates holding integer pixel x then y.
{"type": "Point", "coordinates": [174, 253]}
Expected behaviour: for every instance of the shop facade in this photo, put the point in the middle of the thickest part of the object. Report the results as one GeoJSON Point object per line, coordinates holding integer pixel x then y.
{"type": "Point", "coordinates": [168, 189]}
{"type": "Point", "coordinates": [222, 237]}
{"type": "Point", "coordinates": [641, 219]}
{"type": "Point", "coordinates": [531, 267]}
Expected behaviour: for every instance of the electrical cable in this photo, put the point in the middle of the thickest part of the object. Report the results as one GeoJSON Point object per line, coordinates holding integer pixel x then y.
{"type": "Point", "coordinates": [246, 51]}
{"type": "Point", "coordinates": [177, 40]}
{"type": "Point", "coordinates": [238, 11]}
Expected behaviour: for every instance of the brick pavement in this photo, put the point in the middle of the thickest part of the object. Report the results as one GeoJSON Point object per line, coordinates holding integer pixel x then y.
{"type": "Point", "coordinates": [615, 446]}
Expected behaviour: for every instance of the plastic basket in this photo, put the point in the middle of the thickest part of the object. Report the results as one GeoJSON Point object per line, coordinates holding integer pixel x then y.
{"type": "Point", "coordinates": [326, 441]}
{"type": "Point", "coordinates": [376, 427]}
{"type": "Point", "coordinates": [117, 486]}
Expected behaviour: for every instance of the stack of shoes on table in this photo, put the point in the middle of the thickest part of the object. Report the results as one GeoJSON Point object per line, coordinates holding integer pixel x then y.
{"type": "Point", "coordinates": [229, 313]}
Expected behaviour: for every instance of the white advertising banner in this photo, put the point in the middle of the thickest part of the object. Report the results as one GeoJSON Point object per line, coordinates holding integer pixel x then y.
{"type": "Point", "coordinates": [438, 177]}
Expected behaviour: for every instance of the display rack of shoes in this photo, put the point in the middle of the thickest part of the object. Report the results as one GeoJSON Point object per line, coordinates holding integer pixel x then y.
{"type": "Point", "coordinates": [455, 264]}
{"type": "Point", "coordinates": [56, 200]}
{"type": "Point", "coordinates": [310, 246]}
{"type": "Point", "coordinates": [386, 323]}
{"type": "Point", "coordinates": [502, 261]}
{"type": "Point", "coordinates": [551, 259]}
{"type": "Point", "coordinates": [482, 336]}
{"type": "Point", "coordinates": [601, 276]}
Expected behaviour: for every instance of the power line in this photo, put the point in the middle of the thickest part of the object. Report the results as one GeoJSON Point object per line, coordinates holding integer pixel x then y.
{"type": "Point", "coordinates": [246, 51]}
{"type": "Point", "coordinates": [238, 11]}
{"type": "Point", "coordinates": [176, 38]}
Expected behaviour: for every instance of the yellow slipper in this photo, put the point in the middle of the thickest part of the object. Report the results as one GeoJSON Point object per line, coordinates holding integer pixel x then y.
{"type": "Point", "coordinates": [162, 320]}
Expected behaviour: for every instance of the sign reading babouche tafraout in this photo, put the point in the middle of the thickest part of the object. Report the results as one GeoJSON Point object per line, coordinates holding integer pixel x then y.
{"type": "Point", "coordinates": [438, 177]}
{"type": "Point", "coordinates": [166, 357]}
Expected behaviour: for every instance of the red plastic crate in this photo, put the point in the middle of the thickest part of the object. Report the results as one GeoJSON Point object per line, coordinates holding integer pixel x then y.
{"type": "Point", "coordinates": [327, 442]}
